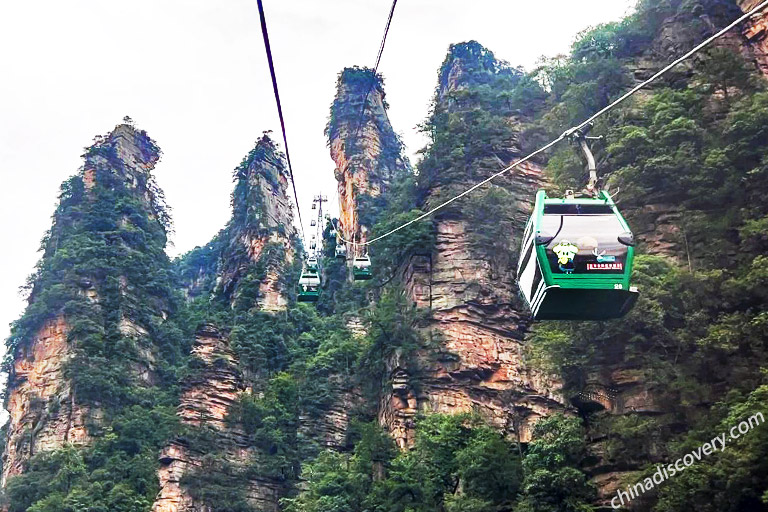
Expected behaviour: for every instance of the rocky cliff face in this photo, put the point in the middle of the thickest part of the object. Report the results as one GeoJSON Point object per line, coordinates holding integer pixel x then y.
{"type": "Point", "coordinates": [261, 231]}
{"type": "Point", "coordinates": [247, 260]}
{"type": "Point", "coordinates": [365, 149]}
{"type": "Point", "coordinates": [44, 406]}
{"type": "Point", "coordinates": [755, 30]}
{"type": "Point", "coordinates": [467, 283]}
{"type": "Point", "coordinates": [480, 326]}
{"type": "Point", "coordinates": [249, 266]}
{"type": "Point", "coordinates": [206, 401]}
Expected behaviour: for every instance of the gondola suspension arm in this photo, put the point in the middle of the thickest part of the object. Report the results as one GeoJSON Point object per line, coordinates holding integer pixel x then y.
{"type": "Point", "coordinates": [591, 166]}
{"type": "Point", "coordinates": [580, 137]}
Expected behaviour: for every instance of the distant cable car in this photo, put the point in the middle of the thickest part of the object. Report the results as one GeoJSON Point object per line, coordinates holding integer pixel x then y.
{"type": "Point", "coordinates": [576, 259]}
{"type": "Point", "coordinates": [309, 285]}
{"type": "Point", "coordinates": [314, 206]}
{"type": "Point", "coordinates": [361, 268]}
{"type": "Point", "coordinates": [312, 264]}
{"type": "Point", "coordinates": [341, 251]}
{"type": "Point", "coordinates": [312, 222]}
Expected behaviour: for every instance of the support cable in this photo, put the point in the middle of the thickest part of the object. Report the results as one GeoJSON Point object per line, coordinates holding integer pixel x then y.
{"type": "Point", "coordinates": [375, 69]}
{"type": "Point", "coordinates": [268, 48]}
{"type": "Point", "coordinates": [571, 131]}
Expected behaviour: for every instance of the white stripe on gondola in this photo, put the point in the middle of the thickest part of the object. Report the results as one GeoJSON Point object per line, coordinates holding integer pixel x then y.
{"type": "Point", "coordinates": [527, 239]}
{"type": "Point", "coordinates": [526, 256]}
{"type": "Point", "coordinates": [526, 279]}
{"type": "Point", "coordinates": [541, 287]}
{"type": "Point", "coordinates": [538, 298]}
{"type": "Point", "coordinates": [538, 276]}
{"type": "Point", "coordinates": [539, 294]}
{"type": "Point", "coordinates": [527, 266]}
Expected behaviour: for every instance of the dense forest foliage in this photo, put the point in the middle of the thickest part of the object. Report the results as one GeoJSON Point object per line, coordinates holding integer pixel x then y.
{"type": "Point", "coordinates": [692, 146]}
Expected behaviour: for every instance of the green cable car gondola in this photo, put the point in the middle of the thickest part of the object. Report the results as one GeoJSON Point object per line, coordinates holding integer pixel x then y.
{"type": "Point", "coordinates": [576, 259]}
{"type": "Point", "coordinates": [361, 268]}
{"type": "Point", "coordinates": [309, 284]}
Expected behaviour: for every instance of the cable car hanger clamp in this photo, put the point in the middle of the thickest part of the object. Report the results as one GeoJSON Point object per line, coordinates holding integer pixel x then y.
{"type": "Point", "coordinates": [572, 131]}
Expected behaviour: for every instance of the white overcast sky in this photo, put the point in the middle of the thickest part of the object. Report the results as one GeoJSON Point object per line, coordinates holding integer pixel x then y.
{"type": "Point", "coordinates": [193, 73]}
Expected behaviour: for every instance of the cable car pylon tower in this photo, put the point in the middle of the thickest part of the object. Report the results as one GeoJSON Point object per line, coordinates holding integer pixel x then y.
{"type": "Point", "coordinates": [316, 242]}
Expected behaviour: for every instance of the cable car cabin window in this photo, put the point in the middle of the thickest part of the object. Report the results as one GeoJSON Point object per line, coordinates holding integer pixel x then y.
{"type": "Point", "coordinates": [578, 209]}
{"type": "Point", "coordinates": [309, 280]}
{"type": "Point", "coordinates": [586, 240]}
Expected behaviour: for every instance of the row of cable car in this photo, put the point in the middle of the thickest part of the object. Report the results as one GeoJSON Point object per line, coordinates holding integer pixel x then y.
{"type": "Point", "coordinates": [309, 282]}
{"type": "Point", "coordinates": [361, 265]}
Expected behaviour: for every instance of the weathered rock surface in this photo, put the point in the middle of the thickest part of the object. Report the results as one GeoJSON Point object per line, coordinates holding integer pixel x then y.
{"type": "Point", "coordinates": [205, 403]}
{"type": "Point", "coordinates": [755, 30]}
{"type": "Point", "coordinates": [261, 230]}
{"type": "Point", "coordinates": [43, 412]}
{"type": "Point", "coordinates": [330, 430]}
{"type": "Point", "coordinates": [657, 229]}
{"type": "Point", "coordinates": [208, 395]}
{"type": "Point", "coordinates": [479, 329]}
{"type": "Point", "coordinates": [365, 149]}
